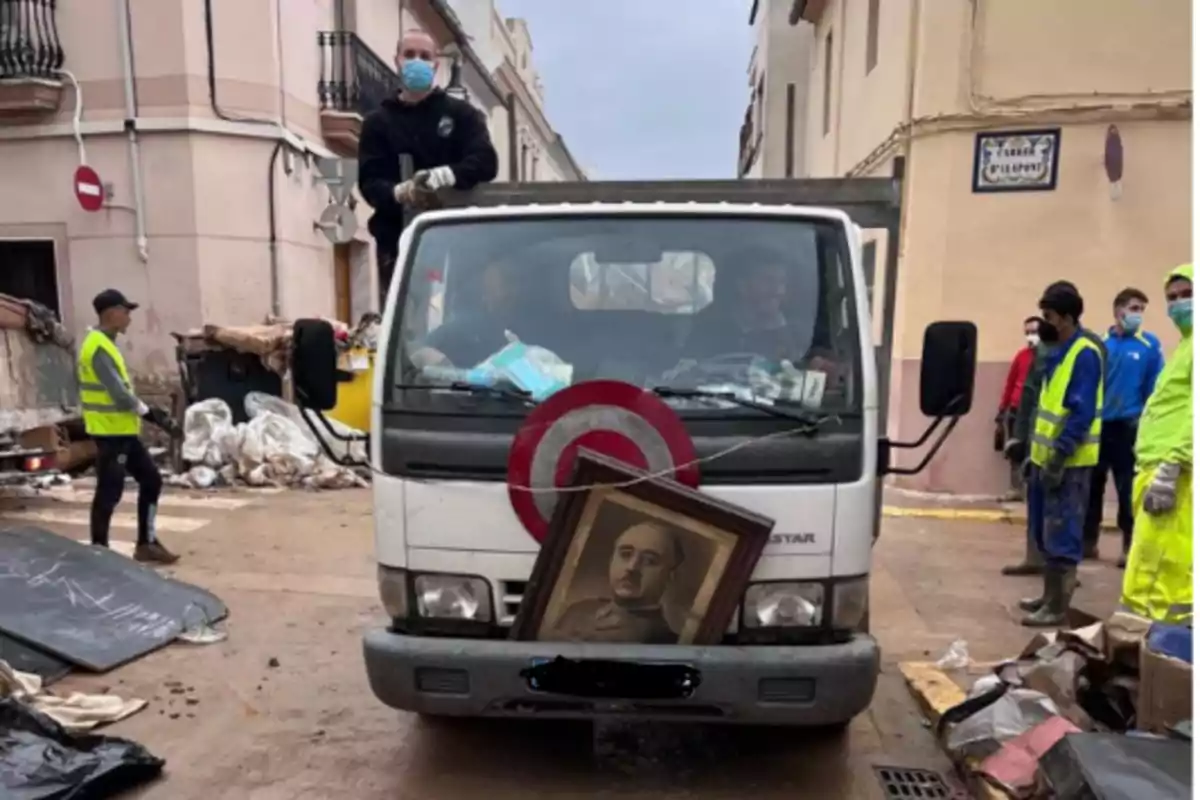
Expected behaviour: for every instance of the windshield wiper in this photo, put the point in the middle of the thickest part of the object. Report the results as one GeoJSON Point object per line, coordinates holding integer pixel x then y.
{"type": "Point", "coordinates": [505, 392]}
{"type": "Point", "coordinates": [808, 419]}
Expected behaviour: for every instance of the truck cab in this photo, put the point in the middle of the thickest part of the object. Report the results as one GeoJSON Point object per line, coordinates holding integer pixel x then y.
{"type": "Point", "coordinates": [703, 304]}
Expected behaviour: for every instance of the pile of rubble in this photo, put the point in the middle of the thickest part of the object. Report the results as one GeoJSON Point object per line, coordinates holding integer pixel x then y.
{"type": "Point", "coordinates": [276, 447]}
{"type": "Point", "coordinates": [1105, 708]}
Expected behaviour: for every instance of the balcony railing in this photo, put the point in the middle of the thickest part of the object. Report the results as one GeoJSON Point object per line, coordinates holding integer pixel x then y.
{"type": "Point", "coordinates": [29, 46]}
{"type": "Point", "coordinates": [30, 59]}
{"type": "Point", "coordinates": [354, 81]}
{"type": "Point", "coordinates": [353, 78]}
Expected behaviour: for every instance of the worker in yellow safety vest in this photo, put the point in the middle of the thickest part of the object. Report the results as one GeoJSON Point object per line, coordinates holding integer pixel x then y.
{"type": "Point", "coordinates": [112, 415]}
{"type": "Point", "coordinates": [1063, 450]}
{"type": "Point", "coordinates": [1158, 575]}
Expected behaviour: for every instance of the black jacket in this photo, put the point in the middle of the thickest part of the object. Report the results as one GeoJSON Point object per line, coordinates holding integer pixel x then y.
{"type": "Point", "coordinates": [440, 131]}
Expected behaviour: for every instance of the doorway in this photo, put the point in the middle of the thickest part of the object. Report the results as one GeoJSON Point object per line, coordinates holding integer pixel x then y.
{"type": "Point", "coordinates": [354, 288]}
{"type": "Point", "coordinates": [341, 282]}
{"type": "Point", "coordinates": [28, 271]}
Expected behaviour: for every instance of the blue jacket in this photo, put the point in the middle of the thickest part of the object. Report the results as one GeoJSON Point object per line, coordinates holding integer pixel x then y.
{"type": "Point", "coordinates": [1133, 364]}
{"type": "Point", "coordinates": [1080, 401]}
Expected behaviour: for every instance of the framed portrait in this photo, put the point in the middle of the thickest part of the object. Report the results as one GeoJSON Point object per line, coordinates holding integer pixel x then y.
{"type": "Point", "coordinates": [645, 562]}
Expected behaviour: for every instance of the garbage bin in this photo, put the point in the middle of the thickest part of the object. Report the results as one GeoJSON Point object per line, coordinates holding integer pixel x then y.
{"type": "Point", "coordinates": [354, 396]}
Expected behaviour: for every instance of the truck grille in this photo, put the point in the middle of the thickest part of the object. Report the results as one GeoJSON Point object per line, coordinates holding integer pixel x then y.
{"type": "Point", "coordinates": [511, 593]}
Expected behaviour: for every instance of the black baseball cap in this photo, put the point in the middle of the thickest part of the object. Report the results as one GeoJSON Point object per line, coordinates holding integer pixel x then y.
{"type": "Point", "coordinates": [111, 298]}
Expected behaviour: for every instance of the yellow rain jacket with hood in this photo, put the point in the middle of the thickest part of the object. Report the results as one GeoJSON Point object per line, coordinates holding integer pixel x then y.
{"type": "Point", "coordinates": [1158, 576]}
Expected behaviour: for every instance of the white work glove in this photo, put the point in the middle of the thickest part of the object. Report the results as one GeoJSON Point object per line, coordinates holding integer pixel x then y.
{"type": "Point", "coordinates": [405, 192]}
{"type": "Point", "coordinates": [439, 178]}
{"type": "Point", "coordinates": [1161, 495]}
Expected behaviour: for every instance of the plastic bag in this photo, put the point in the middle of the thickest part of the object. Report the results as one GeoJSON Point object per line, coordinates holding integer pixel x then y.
{"type": "Point", "coordinates": [956, 656]}
{"type": "Point", "coordinates": [201, 477]}
{"type": "Point", "coordinates": [534, 369]}
{"type": "Point", "coordinates": [1015, 712]}
{"type": "Point", "coordinates": [205, 424]}
{"type": "Point", "coordinates": [258, 403]}
{"type": "Point", "coordinates": [39, 760]}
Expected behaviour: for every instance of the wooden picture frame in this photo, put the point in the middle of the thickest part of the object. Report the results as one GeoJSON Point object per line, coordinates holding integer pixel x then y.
{"type": "Point", "coordinates": [639, 560]}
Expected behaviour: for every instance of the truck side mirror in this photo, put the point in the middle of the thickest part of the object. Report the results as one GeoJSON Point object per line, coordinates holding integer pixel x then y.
{"type": "Point", "coordinates": [948, 369]}
{"type": "Point", "coordinates": [314, 364]}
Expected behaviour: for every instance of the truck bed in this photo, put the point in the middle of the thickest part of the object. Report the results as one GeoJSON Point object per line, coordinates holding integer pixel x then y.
{"type": "Point", "coordinates": [38, 385]}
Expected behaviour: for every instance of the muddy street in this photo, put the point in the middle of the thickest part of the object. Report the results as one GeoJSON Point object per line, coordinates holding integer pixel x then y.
{"type": "Point", "coordinates": [282, 708]}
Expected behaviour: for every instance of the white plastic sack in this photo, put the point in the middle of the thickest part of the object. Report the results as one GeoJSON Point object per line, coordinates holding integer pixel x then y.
{"type": "Point", "coordinates": [982, 733]}
{"type": "Point", "coordinates": [274, 449]}
{"type": "Point", "coordinates": [258, 403]}
{"type": "Point", "coordinates": [205, 424]}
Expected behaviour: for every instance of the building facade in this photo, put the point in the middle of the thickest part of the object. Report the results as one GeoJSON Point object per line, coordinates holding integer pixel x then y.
{"type": "Point", "coordinates": [205, 121]}
{"type": "Point", "coordinates": [531, 150]}
{"type": "Point", "coordinates": [1037, 141]}
{"type": "Point", "coordinates": [772, 138]}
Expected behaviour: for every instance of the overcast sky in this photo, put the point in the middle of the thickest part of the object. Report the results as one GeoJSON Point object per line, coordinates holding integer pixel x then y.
{"type": "Point", "coordinates": [643, 88]}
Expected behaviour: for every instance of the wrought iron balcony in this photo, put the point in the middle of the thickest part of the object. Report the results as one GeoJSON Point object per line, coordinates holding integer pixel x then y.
{"type": "Point", "coordinates": [30, 58]}
{"type": "Point", "coordinates": [354, 81]}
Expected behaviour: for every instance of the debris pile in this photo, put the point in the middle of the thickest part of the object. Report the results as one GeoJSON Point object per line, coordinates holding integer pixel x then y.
{"type": "Point", "coordinates": [1073, 707]}
{"type": "Point", "coordinates": [275, 448]}
{"type": "Point", "coordinates": [46, 750]}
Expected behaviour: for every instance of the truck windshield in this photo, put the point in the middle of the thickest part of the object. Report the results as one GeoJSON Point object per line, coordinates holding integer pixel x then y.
{"type": "Point", "coordinates": [758, 307]}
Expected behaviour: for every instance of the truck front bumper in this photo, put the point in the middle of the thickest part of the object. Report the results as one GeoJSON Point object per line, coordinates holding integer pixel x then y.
{"type": "Point", "coordinates": [812, 685]}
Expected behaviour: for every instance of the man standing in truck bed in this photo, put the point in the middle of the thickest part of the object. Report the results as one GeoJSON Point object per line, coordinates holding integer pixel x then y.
{"type": "Point", "coordinates": [447, 138]}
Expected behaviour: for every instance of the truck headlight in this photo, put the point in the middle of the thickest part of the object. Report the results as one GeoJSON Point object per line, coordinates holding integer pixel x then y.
{"type": "Point", "coordinates": [776, 605]}
{"type": "Point", "coordinates": [393, 591]}
{"type": "Point", "coordinates": [850, 600]}
{"type": "Point", "coordinates": [457, 597]}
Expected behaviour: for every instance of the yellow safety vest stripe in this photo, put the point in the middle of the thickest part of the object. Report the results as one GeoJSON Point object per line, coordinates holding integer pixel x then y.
{"type": "Point", "coordinates": [101, 415]}
{"type": "Point", "coordinates": [1051, 414]}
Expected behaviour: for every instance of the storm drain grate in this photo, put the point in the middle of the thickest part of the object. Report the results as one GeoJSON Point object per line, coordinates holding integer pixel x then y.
{"type": "Point", "coordinates": [904, 783]}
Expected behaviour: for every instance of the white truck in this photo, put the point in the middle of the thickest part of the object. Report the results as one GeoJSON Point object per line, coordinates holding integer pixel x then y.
{"type": "Point", "coordinates": [616, 279]}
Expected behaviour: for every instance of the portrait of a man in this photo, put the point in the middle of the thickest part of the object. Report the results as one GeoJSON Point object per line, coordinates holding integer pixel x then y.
{"type": "Point", "coordinates": [634, 573]}
{"type": "Point", "coordinates": [638, 559]}
{"type": "Point", "coordinates": [643, 564]}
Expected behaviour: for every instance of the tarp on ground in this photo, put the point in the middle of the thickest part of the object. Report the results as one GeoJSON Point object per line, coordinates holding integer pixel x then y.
{"type": "Point", "coordinates": [89, 605]}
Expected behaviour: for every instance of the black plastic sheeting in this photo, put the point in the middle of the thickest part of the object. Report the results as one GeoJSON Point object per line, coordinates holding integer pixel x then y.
{"type": "Point", "coordinates": [27, 658]}
{"type": "Point", "coordinates": [39, 760]}
{"type": "Point", "coordinates": [1109, 766]}
{"type": "Point", "coordinates": [88, 605]}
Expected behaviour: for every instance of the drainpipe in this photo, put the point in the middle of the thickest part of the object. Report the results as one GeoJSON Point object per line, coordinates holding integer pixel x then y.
{"type": "Point", "coordinates": [125, 24]}
{"type": "Point", "coordinates": [513, 170]}
{"type": "Point", "coordinates": [273, 229]}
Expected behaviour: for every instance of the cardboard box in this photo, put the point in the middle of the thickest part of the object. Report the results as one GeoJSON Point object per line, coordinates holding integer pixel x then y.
{"type": "Point", "coordinates": [76, 454]}
{"type": "Point", "coordinates": [1164, 691]}
{"type": "Point", "coordinates": [47, 437]}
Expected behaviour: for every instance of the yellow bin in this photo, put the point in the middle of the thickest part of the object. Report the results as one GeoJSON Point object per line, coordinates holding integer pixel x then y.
{"type": "Point", "coordinates": [354, 397]}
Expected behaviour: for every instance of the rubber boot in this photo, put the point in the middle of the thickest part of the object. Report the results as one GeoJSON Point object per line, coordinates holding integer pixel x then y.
{"type": "Point", "coordinates": [1060, 584]}
{"type": "Point", "coordinates": [1032, 564]}
{"type": "Point", "coordinates": [1031, 605]}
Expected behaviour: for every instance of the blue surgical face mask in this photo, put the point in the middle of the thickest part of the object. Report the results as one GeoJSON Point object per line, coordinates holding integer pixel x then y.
{"type": "Point", "coordinates": [1180, 312]}
{"type": "Point", "coordinates": [417, 75]}
{"type": "Point", "coordinates": [1131, 321]}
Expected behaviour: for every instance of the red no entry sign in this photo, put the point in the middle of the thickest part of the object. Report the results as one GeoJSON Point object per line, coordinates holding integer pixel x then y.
{"type": "Point", "coordinates": [88, 189]}
{"type": "Point", "coordinates": [616, 419]}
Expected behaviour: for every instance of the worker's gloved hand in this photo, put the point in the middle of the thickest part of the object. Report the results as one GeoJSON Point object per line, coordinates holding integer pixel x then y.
{"type": "Point", "coordinates": [163, 420]}
{"type": "Point", "coordinates": [1012, 448]}
{"type": "Point", "coordinates": [405, 193]}
{"type": "Point", "coordinates": [1053, 471]}
{"type": "Point", "coordinates": [1161, 495]}
{"type": "Point", "coordinates": [439, 178]}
